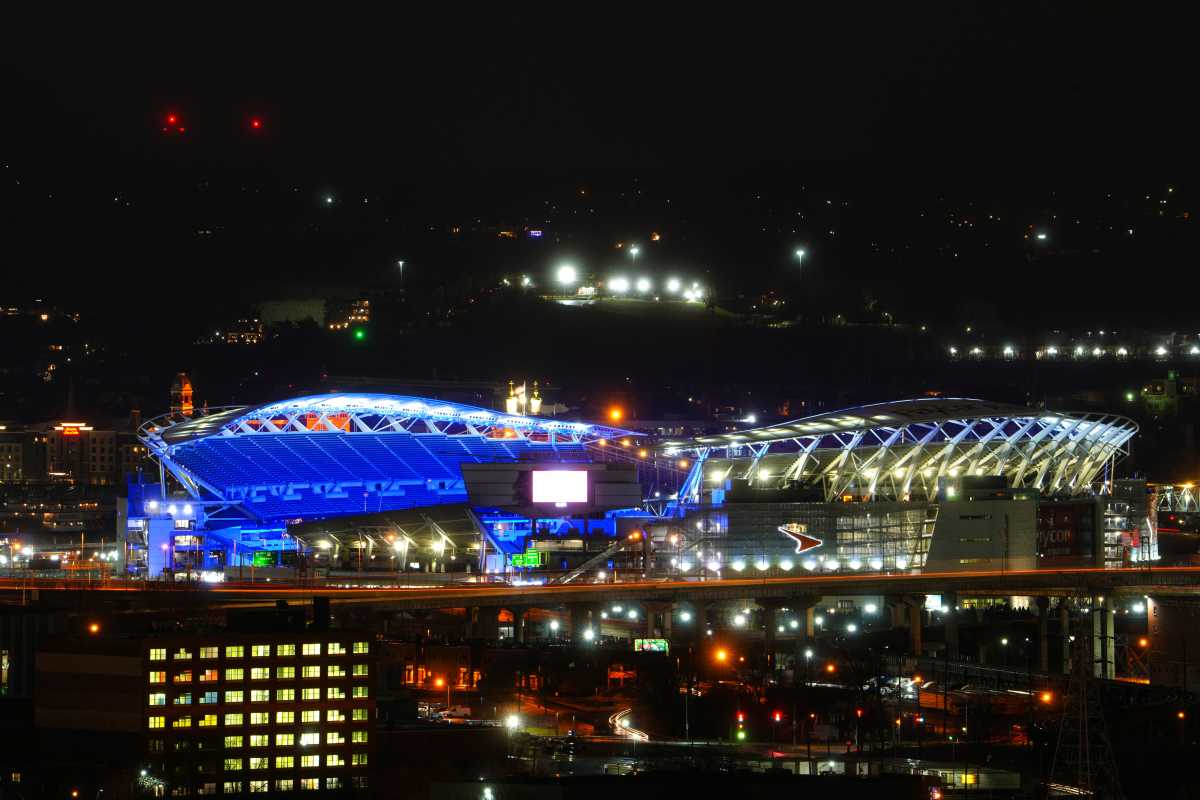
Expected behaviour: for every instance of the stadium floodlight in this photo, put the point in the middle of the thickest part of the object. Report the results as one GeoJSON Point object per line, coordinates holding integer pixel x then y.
{"type": "Point", "coordinates": [673, 285]}
{"type": "Point", "coordinates": [567, 275]}
{"type": "Point", "coordinates": [643, 285]}
{"type": "Point", "coordinates": [619, 285]}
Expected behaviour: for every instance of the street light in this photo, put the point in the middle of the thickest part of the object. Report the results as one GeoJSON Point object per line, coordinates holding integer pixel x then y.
{"type": "Point", "coordinates": [673, 285]}
{"type": "Point", "coordinates": [567, 275]}
{"type": "Point", "coordinates": [800, 253]}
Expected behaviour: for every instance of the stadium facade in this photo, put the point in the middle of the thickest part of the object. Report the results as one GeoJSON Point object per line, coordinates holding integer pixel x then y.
{"type": "Point", "coordinates": [233, 481]}
{"type": "Point", "coordinates": [371, 481]}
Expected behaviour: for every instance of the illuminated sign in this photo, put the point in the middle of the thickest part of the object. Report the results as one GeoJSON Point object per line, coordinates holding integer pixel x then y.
{"type": "Point", "coordinates": [533, 558]}
{"type": "Point", "coordinates": [70, 431]}
{"type": "Point", "coordinates": [797, 532]}
{"type": "Point", "coordinates": [535, 234]}
{"type": "Point", "coordinates": [560, 486]}
{"type": "Point", "coordinates": [263, 559]}
{"type": "Point", "coordinates": [651, 645]}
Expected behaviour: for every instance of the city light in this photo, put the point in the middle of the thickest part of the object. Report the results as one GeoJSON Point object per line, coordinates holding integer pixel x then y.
{"type": "Point", "coordinates": [673, 285]}
{"type": "Point", "coordinates": [588, 634]}
{"type": "Point", "coordinates": [94, 628]}
{"type": "Point", "coordinates": [566, 275]}
{"type": "Point", "coordinates": [616, 413]}
{"type": "Point", "coordinates": [554, 625]}
{"type": "Point", "coordinates": [739, 620]}
{"type": "Point", "coordinates": [1047, 697]}
{"type": "Point", "coordinates": [851, 628]}
{"type": "Point", "coordinates": [721, 656]}
{"type": "Point", "coordinates": [633, 614]}
{"type": "Point", "coordinates": [512, 722]}
{"type": "Point", "coordinates": [685, 616]}
{"type": "Point", "coordinates": [870, 608]}
{"type": "Point", "coordinates": [619, 285]}
{"type": "Point", "coordinates": [794, 624]}
{"type": "Point", "coordinates": [643, 285]}
{"type": "Point", "coordinates": [800, 253]}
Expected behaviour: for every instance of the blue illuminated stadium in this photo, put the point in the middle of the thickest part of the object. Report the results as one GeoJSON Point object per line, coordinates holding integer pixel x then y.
{"type": "Point", "coordinates": [261, 468]}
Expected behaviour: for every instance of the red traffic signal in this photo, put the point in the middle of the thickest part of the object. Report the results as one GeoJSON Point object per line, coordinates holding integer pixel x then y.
{"type": "Point", "coordinates": [741, 717]}
{"type": "Point", "coordinates": [858, 713]}
{"type": "Point", "coordinates": [777, 716]}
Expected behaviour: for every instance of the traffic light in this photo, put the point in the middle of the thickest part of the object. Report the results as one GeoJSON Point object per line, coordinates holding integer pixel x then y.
{"type": "Point", "coordinates": [858, 712]}
{"type": "Point", "coordinates": [741, 717]}
{"type": "Point", "coordinates": [777, 716]}
{"type": "Point", "coordinates": [359, 334]}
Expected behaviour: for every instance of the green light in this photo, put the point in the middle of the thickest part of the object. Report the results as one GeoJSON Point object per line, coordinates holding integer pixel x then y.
{"type": "Point", "coordinates": [741, 735]}
{"type": "Point", "coordinates": [360, 334]}
{"type": "Point", "coordinates": [1129, 397]}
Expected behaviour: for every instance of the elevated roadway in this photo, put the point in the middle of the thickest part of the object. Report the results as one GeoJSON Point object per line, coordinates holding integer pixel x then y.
{"type": "Point", "coordinates": [1159, 581]}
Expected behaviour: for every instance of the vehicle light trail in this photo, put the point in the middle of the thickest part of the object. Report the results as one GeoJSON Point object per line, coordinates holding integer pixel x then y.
{"type": "Point", "coordinates": [622, 727]}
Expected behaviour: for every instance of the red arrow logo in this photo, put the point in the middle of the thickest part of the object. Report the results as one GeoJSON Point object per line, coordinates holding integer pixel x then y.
{"type": "Point", "coordinates": [796, 531]}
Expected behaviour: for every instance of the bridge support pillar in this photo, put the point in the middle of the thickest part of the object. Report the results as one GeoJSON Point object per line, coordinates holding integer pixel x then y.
{"type": "Point", "coordinates": [658, 620]}
{"type": "Point", "coordinates": [1103, 640]}
{"type": "Point", "coordinates": [518, 625]}
{"type": "Point", "coordinates": [485, 622]}
{"type": "Point", "coordinates": [1064, 630]}
{"type": "Point", "coordinates": [580, 621]}
{"type": "Point", "coordinates": [915, 624]}
{"type": "Point", "coordinates": [1043, 606]}
{"type": "Point", "coordinates": [770, 618]}
{"type": "Point", "coordinates": [950, 601]}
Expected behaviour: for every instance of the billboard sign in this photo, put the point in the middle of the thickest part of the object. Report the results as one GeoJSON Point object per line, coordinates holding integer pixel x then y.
{"type": "Point", "coordinates": [532, 558]}
{"type": "Point", "coordinates": [651, 645]}
{"type": "Point", "coordinates": [560, 486]}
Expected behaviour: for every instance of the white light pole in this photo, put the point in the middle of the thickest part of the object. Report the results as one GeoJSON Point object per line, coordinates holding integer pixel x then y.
{"type": "Point", "coordinates": [800, 253]}
{"type": "Point", "coordinates": [400, 264]}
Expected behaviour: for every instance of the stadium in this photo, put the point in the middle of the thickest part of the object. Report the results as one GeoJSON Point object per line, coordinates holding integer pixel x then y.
{"type": "Point", "coordinates": [372, 482]}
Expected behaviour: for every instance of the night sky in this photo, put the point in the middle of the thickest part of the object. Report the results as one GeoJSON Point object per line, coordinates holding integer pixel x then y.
{"type": "Point", "coordinates": [493, 117]}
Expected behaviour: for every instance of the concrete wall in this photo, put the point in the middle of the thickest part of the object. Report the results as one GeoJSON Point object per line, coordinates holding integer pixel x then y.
{"type": "Point", "coordinates": [984, 535]}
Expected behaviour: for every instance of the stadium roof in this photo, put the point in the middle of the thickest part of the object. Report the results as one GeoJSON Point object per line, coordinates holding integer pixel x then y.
{"type": "Point", "coordinates": [366, 413]}
{"type": "Point", "coordinates": [876, 415]}
{"type": "Point", "coordinates": [901, 450]}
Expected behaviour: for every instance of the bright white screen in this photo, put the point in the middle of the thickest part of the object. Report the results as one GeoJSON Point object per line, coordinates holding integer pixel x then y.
{"type": "Point", "coordinates": [560, 486]}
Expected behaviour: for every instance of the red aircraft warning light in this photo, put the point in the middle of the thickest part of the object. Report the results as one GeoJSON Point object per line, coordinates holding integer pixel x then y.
{"type": "Point", "coordinates": [256, 123]}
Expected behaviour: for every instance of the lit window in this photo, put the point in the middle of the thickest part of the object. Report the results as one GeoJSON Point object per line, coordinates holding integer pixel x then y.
{"type": "Point", "coordinates": [358, 759]}
{"type": "Point", "coordinates": [359, 715]}
{"type": "Point", "coordinates": [232, 742]}
{"type": "Point", "coordinates": [358, 737]}
{"type": "Point", "coordinates": [232, 720]}
{"type": "Point", "coordinates": [285, 673]}
{"type": "Point", "coordinates": [358, 692]}
{"type": "Point", "coordinates": [285, 762]}
{"type": "Point", "coordinates": [311, 715]}
{"type": "Point", "coordinates": [335, 715]}
{"type": "Point", "coordinates": [158, 699]}
{"type": "Point", "coordinates": [313, 671]}
{"type": "Point", "coordinates": [260, 650]}
{"type": "Point", "coordinates": [310, 761]}
{"type": "Point", "coordinates": [334, 760]}
{"type": "Point", "coordinates": [359, 670]}
{"type": "Point", "coordinates": [209, 652]}
{"type": "Point", "coordinates": [232, 787]}
{"type": "Point", "coordinates": [333, 783]}
{"type": "Point", "coordinates": [183, 677]}
{"type": "Point", "coordinates": [287, 784]}
{"type": "Point", "coordinates": [182, 654]}
{"type": "Point", "coordinates": [362, 647]}
{"type": "Point", "coordinates": [335, 671]}
{"type": "Point", "coordinates": [260, 695]}
{"type": "Point", "coordinates": [235, 674]}
{"type": "Point", "coordinates": [285, 695]}
{"type": "Point", "coordinates": [234, 651]}
{"type": "Point", "coordinates": [260, 673]}
{"type": "Point", "coordinates": [285, 649]}
{"type": "Point", "coordinates": [233, 764]}
{"type": "Point", "coordinates": [309, 784]}
{"type": "Point", "coordinates": [208, 675]}
{"type": "Point", "coordinates": [158, 654]}
{"type": "Point", "coordinates": [258, 786]}
{"type": "Point", "coordinates": [156, 722]}
{"type": "Point", "coordinates": [336, 649]}
{"type": "Point", "coordinates": [311, 649]}
{"type": "Point", "coordinates": [158, 677]}
{"type": "Point", "coordinates": [260, 718]}
{"type": "Point", "coordinates": [260, 740]}
{"type": "Point", "coordinates": [310, 739]}
{"type": "Point", "coordinates": [336, 693]}
{"type": "Point", "coordinates": [234, 696]}
{"type": "Point", "coordinates": [285, 740]}
{"type": "Point", "coordinates": [184, 699]}
{"type": "Point", "coordinates": [311, 693]}
{"type": "Point", "coordinates": [285, 717]}
{"type": "Point", "coordinates": [207, 721]}
{"type": "Point", "coordinates": [260, 762]}
{"type": "Point", "coordinates": [181, 722]}
{"type": "Point", "coordinates": [208, 698]}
